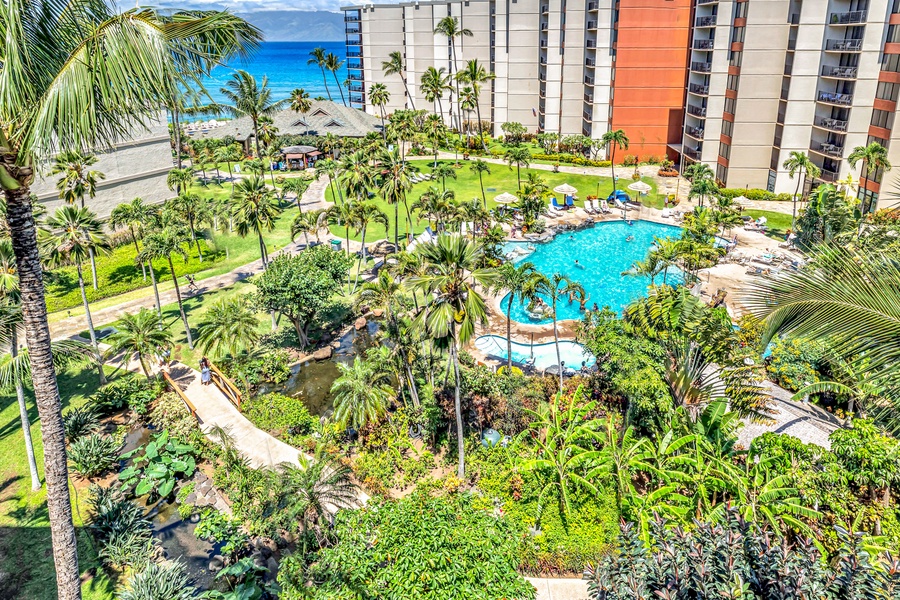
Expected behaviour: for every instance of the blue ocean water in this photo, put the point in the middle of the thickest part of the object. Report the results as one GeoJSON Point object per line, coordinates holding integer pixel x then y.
{"type": "Point", "coordinates": [284, 63]}
{"type": "Point", "coordinates": [602, 253]}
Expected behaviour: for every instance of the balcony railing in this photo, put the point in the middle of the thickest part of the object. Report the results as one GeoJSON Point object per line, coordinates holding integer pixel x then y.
{"type": "Point", "coordinates": [703, 44]}
{"type": "Point", "coordinates": [592, 24]}
{"type": "Point", "coordinates": [832, 124]}
{"type": "Point", "coordinates": [707, 1]}
{"type": "Point", "coordinates": [358, 99]}
{"type": "Point", "coordinates": [354, 54]}
{"type": "Point", "coordinates": [353, 30]}
{"type": "Point", "coordinates": [356, 88]}
{"type": "Point", "coordinates": [697, 111]}
{"type": "Point", "coordinates": [839, 72]}
{"type": "Point", "coordinates": [545, 8]}
{"type": "Point", "coordinates": [589, 62]}
{"type": "Point", "coordinates": [829, 149]}
{"type": "Point", "coordinates": [351, 18]}
{"type": "Point", "coordinates": [354, 41]}
{"type": "Point", "coordinates": [694, 132]}
{"type": "Point", "coordinates": [701, 67]}
{"type": "Point", "coordinates": [843, 45]}
{"type": "Point", "coordinates": [591, 44]}
{"type": "Point", "coordinates": [700, 90]}
{"type": "Point", "coordinates": [833, 98]}
{"type": "Point", "coordinates": [543, 43]}
{"type": "Point", "coordinates": [705, 22]}
{"type": "Point", "coordinates": [544, 26]}
{"type": "Point", "coordinates": [587, 116]}
{"type": "Point", "coordinates": [691, 152]}
{"type": "Point", "coordinates": [356, 66]}
{"type": "Point", "coordinates": [828, 176]}
{"type": "Point", "coordinates": [589, 98]}
{"type": "Point", "coordinates": [593, 5]}
{"type": "Point", "coordinates": [353, 77]}
{"type": "Point", "coordinates": [589, 80]}
{"type": "Point", "coordinates": [848, 18]}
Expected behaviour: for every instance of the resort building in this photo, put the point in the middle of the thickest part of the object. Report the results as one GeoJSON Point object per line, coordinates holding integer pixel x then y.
{"type": "Point", "coordinates": [736, 85]}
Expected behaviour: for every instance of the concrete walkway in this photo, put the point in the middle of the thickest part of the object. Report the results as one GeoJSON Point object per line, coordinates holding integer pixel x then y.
{"type": "Point", "coordinates": [559, 589]}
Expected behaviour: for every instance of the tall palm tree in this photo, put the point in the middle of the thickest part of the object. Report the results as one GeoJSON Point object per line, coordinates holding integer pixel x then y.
{"type": "Point", "coordinates": [334, 64]}
{"type": "Point", "coordinates": [163, 244]}
{"type": "Point", "coordinates": [134, 215]}
{"type": "Point", "coordinates": [228, 328]}
{"type": "Point", "coordinates": [798, 164]}
{"type": "Point", "coordinates": [231, 153]}
{"type": "Point", "coordinates": [395, 182]}
{"type": "Point", "coordinates": [874, 158]}
{"type": "Point", "coordinates": [66, 237]}
{"type": "Point", "coordinates": [436, 131]}
{"type": "Point", "coordinates": [434, 83]}
{"type": "Point", "coordinates": [480, 167]}
{"type": "Point", "coordinates": [118, 69]}
{"type": "Point", "coordinates": [394, 66]}
{"type": "Point", "coordinates": [342, 215]}
{"type": "Point", "coordinates": [476, 75]}
{"type": "Point", "coordinates": [449, 26]}
{"type": "Point", "coordinates": [180, 180]}
{"type": "Point", "coordinates": [317, 57]}
{"type": "Point", "coordinates": [306, 223]}
{"type": "Point", "coordinates": [250, 99]}
{"type": "Point", "coordinates": [557, 287]}
{"type": "Point", "coordinates": [361, 394]}
{"type": "Point", "coordinates": [613, 140]}
{"type": "Point", "coordinates": [255, 210]}
{"type": "Point", "coordinates": [192, 209]}
{"type": "Point", "coordinates": [331, 168]}
{"type": "Point", "coordinates": [450, 283]}
{"type": "Point", "coordinates": [301, 103]}
{"type": "Point", "coordinates": [468, 102]}
{"type": "Point", "coordinates": [379, 96]}
{"type": "Point", "coordinates": [140, 335]}
{"type": "Point", "coordinates": [365, 214]}
{"type": "Point", "coordinates": [296, 186]}
{"type": "Point", "coordinates": [519, 282]}
{"type": "Point", "coordinates": [520, 156]}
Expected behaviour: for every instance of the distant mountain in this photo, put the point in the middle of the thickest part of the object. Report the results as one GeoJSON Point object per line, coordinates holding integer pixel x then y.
{"type": "Point", "coordinates": [298, 25]}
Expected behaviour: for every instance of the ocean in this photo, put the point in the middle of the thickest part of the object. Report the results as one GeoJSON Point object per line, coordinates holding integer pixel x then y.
{"type": "Point", "coordinates": [284, 63]}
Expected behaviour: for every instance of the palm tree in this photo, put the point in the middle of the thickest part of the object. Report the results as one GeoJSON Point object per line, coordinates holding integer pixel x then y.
{"type": "Point", "coordinates": [379, 96]}
{"type": "Point", "coordinates": [557, 287]}
{"type": "Point", "coordinates": [357, 175]}
{"type": "Point", "coordinates": [395, 182]}
{"type": "Point", "coordinates": [874, 158]}
{"type": "Point", "coordinates": [480, 167]}
{"type": "Point", "coordinates": [179, 180]}
{"type": "Point", "coordinates": [133, 215]}
{"type": "Point", "coordinates": [342, 215]}
{"type": "Point", "coordinates": [334, 64]}
{"type": "Point", "coordinates": [318, 58]}
{"type": "Point", "coordinates": [476, 75]}
{"type": "Point", "coordinates": [162, 244]}
{"type": "Point", "coordinates": [192, 209]}
{"type": "Point", "coordinates": [703, 187]}
{"type": "Point", "coordinates": [68, 236]}
{"type": "Point", "coordinates": [255, 210]}
{"type": "Point", "coordinates": [798, 164]}
{"type": "Point", "coordinates": [296, 186]}
{"type": "Point", "coordinates": [613, 140]}
{"type": "Point", "coordinates": [436, 131]}
{"type": "Point", "coordinates": [140, 334]}
{"type": "Point", "coordinates": [301, 103]}
{"type": "Point", "coordinates": [228, 328]}
{"type": "Point", "coordinates": [520, 283]}
{"type": "Point", "coordinates": [361, 394]}
{"type": "Point", "coordinates": [231, 153]}
{"type": "Point", "coordinates": [331, 168]}
{"type": "Point", "coordinates": [434, 84]}
{"type": "Point", "coordinates": [443, 171]}
{"type": "Point", "coordinates": [128, 62]}
{"type": "Point", "coordinates": [305, 223]}
{"type": "Point", "coordinates": [394, 66]}
{"type": "Point", "coordinates": [250, 99]}
{"type": "Point", "coordinates": [449, 26]}
{"type": "Point", "coordinates": [450, 281]}
{"type": "Point", "coordinates": [364, 214]}
{"type": "Point", "coordinates": [520, 156]}
{"type": "Point", "coordinates": [467, 103]}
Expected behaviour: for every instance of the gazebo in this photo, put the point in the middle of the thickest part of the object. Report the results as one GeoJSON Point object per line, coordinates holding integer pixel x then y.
{"type": "Point", "coordinates": [300, 157]}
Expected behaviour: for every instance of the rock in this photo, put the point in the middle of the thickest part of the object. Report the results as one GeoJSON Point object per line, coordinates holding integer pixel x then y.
{"type": "Point", "coordinates": [266, 546]}
{"type": "Point", "coordinates": [222, 506]}
{"type": "Point", "coordinates": [377, 313]}
{"type": "Point", "coordinates": [288, 537]}
{"type": "Point", "coordinates": [191, 498]}
{"type": "Point", "coordinates": [201, 502]}
{"type": "Point", "coordinates": [272, 565]}
{"type": "Point", "coordinates": [323, 353]}
{"type": "Point", "coordinates": [359, 324]}
{"type": "Point", "coordinates": [195, 517]}
{"type": "Point", "coordinates": [258, 560]}
{"type": "Point", "coordinates": [216, 564]}
{"type": "Point", "coordinates": [199, 476]}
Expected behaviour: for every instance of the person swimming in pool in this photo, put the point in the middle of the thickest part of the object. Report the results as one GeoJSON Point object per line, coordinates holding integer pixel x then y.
{"type": "Point", "coordinates": [630, 223]}
{"type": "Point", "coordinates": [578, 264]}
{"type": "Point", "coordinates": [630, 238]}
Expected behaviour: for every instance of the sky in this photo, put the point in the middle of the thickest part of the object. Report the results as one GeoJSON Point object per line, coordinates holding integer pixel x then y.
{"type": "Point", "coordinates": [244, 6]}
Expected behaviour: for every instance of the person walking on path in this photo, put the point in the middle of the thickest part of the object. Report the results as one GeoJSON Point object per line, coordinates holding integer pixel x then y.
{"type": "Point", "coordinates": [205, 371]}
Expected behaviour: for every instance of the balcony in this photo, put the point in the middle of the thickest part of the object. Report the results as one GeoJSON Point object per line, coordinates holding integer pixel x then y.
{"type": "Point", "coordinates": [591, 25]}
{"type": "Point", "coordinates": [843, 46]}
{"type": "Point", "coordinates": [354, 54]}
{"type": "Point", "coordinates": [832, 124]}
{"type": "Point", "coordinates": [698, 89]}
{"type": "Point", "coordinates": [590, 62]}
{"type": "Point", "coordinates": [351, 17]}
{"type": "Point", "coordinates": [792, 44]}
{"type": "Point", "coordinates": [707, 1]}
{"type": "Point", "coordinates": [356, 88]}
{"type": "Point", "coordinates": [357, 99]}
{"type": "Point", "coordinates": [586, 116]}
{"type": "Point", "coordinates": [545, 9]}
{"type": "Point", "coordinates": [839, 72]}
{"type": "Point", "coordinates": [354, 41]}
{"type": "Point", "coordinates": [694, 132]}
{"type": "Point", "coordinates": [832, 150]}
{"type": "Point", "coordinates": [697, 111]}
{"type": "Point", "coordinates": [589, 80]}
{"type": "Point", "coordinates": [355, 29]}
{"type": "Point", "coordinates": [354, 77]}
{"type": "Point", "coordinates": [589, 98]}
{"type": "Point", "coordinates": [833, 98]}
{"type": "Point", "coordinates": [829, 176]}
{"type": "Point", "coordinates": [705, 22]}
{"type": "Point", "coordinates": [593, 6]}
{"type": "Point", "coordinates": [356, 66]}
{"type": "Point", "coordinates": [847, 18]}
{"type": "Point", "coordinates": [703, 44]}
{"type": "Point", "coordinates": [691, 153]}
{"type": "Point", "coordinates": [591, 44]}
{"type": "Point", "coordinates": [543, 43]}
{"type": "Point", "coordinates": [701, 67]}
{"type": "Point", "coordinates": [544, 26]}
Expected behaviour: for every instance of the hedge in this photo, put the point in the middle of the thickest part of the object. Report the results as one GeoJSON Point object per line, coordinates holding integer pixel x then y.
{"type": "Point", "coordinates": [754, 194]}
{"type": "Point", "coordinates": [571, 159]}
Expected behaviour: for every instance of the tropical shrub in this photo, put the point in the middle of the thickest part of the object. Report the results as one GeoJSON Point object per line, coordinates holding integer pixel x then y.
{"type": "Point", "coordinates": [79, 422]}
{"type": "Point", "coordinates": [795, 362]}
{"type": "Point", "coordinates": [571, 159]}
{"type": "Point", "coordinates": [170, 414]}
{"type": "Point", "coordinates": [282, 416]}
{"type": "Point", "coordinates": [93, 454]}
{"type": "Point", "coordinates": [736, 559]}
{"type": "Point", "coordinates": [753, 194]}
{"type": "Point", "coordinates": [159, 466]}
{"type": "Point", "coordinates": [159, 581]}
{"type": "Point", "coordinates": [131, 391]}
{"type": "Point", "coordinates": [120, 528]}
{"type": "Point", "coordinates": [219, 529]}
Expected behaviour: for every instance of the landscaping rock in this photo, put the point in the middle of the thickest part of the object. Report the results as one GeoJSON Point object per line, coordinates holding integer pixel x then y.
{"type": "Point", "coordinates": [217, 563]}
{"type": "Point", "coordinates": [272, 565]}
{"type": "Point", "coordinates": [359, 324]}
{"type": "Point", "coordinates": [288, 537]}
{"type": "Point", "coordinates": [258, 560]}
{"type": "Point", "coordinates": [377, 313]}
{"type": "Point", "coordinates": [267, 546]}
{"type": "Point", "coordinates": [323, 353]}
{"type": "Point", "coordinates": [191, 498]}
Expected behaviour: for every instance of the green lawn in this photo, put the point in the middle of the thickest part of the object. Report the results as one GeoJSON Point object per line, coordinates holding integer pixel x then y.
{"type": "Point", "coordinates": [501, 179]}
{"type": "Point", "coordinates": [777, 222]}
{"type": "Point", "coordinates": [25, 556]}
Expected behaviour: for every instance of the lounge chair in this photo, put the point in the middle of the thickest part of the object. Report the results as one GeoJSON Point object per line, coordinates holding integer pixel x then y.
{"type": "Point", "coordinates": [557, 205]}
{"type": "Point", "coordinates": [590, 208]}
{"type": "Point", "coordinates": [666, 213]}
{"type": "Point", "coordinates": [620, 205]}
{"type": "Point", "coordinates": [604, 207]}
{"type": "Point", "coordinates": [570, 202]}
{"type": "Point", "coordinates": [552, 212]}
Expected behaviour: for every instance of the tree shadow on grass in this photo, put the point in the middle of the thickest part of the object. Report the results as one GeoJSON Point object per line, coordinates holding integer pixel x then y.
{"type": "Point", "coordinates": [126, 274]}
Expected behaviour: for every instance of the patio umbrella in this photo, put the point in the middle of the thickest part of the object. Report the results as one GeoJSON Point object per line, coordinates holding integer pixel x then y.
{"type": "Point", "coordinates": [505, 198]}
{"type": "Point", "coordinates": [742, 200]}
{"type": "Point", "coordinates": [640, 187]}
{"type": "Point", "coordinates": [565, 189]}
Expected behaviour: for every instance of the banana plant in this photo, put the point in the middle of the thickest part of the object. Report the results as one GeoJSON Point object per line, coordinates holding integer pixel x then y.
{"type": "Point", "coordinates": [159, 467]}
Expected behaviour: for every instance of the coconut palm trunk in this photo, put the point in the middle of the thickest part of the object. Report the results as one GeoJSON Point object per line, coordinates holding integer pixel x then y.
{"type": "Point", "coordinates": [480, 128]}
{"type": "Point", "coordinates": [262, 250]}
{"type": "Point", "coordinates": [794, 203]}
{"type": "Point", "coordinates": [340, 87]}
{"type": "Point", "coordinates": [176, 132]}
{"type": "Point", "coordinates": [37, 337]}
{"type": "Point", "coordinates": [23, 415]}
{"type": "Point", "coordinates": [556, 343]}
{"type": "Point", "coordinates": [137, 249]}
{"type": "Point", "coordinates": [509, 332]}
{"type": "Point", "coordinates": [90, 322]}
{"type": "Point", "coordinates": [187, 328]}
{"type": "Point", "coordinates": [460, 440]}
{"type": "Point", "coordinates": [155, 292]}
{"type": "Point", "coordinates": [93, 263]}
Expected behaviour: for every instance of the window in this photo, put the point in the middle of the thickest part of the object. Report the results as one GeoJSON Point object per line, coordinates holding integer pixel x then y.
{"type": "Point", "coordinates": [724, 150]}
{"type": "Point", "coordinates": [722, 173]}
{"type": "Point", "coordinates": [319, 112]}
{"type": "Point", "coordinates": [732, 82]}
{"type": "Point", "coordinates": [882, 118]}
{"type": "Point", "coordinates": [740, 10]}
{"type": "Point", "coordinates": [729, 105]}
{"type": "Point", "coordinates": [727, 128]}
{"type": "Point", "coordinates": [734, 59]}
{"type": "Point", "coordinates": [887, 91]}
{"type": "Point", "coordinates": [878, 140]}
{"type": "Point", "coordinates": [893, 34]}
{"type": "Point", "coordinates": [737, 35]}
{"type": "Point", "coordinates": [891, 62]}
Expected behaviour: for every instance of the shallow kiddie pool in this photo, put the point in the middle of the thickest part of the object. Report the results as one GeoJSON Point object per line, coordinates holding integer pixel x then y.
{"type": "Point", "coordinates": [571, 353]}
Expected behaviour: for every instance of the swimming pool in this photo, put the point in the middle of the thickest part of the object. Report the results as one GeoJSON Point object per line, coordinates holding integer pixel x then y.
{"type": "Point", "coordinates": [571, 353]}
{"type": "Point", "coordinates": [603, 254]}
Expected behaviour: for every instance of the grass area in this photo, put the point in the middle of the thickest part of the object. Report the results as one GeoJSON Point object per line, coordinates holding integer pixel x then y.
{"type": "Point", "coordinates": [777, 222]}
{"type": "Point", "coordinates": [26, 560]}
{"type": "Point", "coordinates": [501, 179]}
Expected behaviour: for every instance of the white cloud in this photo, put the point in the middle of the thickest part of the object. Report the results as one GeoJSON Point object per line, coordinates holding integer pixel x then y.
{"type": "Point", "coordinates": [245, 6]}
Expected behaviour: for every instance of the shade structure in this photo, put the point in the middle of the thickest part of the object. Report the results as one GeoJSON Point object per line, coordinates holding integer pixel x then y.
{"type": "Point", "coordinates": [505, 198]}
{"type": "Point", "coordinates": [565, 188]}
{"type": "Point", "coordinates": [640, 187]}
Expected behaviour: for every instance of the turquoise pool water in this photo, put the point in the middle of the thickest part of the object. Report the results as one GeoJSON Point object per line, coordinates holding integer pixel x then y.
{"type": "Point", "coordinates": [603, 254]}
{"type": "Point", "coordinates": [571, 353]}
